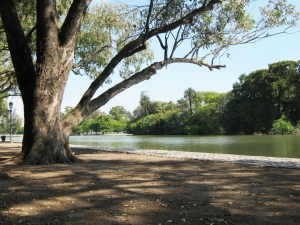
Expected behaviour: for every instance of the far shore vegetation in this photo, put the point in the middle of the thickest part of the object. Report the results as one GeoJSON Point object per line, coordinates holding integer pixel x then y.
{"type": "Point", "coordinates": [266, 101]}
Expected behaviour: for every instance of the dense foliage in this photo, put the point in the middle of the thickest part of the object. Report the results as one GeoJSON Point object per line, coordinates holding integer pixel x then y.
{"type": "Point", "coordinates": [262, 97]}
{"type": "Point", "coordinates": [101, 124]}
{"type": "Point", "coordinates": [195, 113]}
{"type": "Point", "coordinates": [265, 101]}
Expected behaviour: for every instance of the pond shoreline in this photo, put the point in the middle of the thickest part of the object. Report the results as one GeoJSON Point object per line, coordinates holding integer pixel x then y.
{"type": "Point", "coordinates": [238, 159]}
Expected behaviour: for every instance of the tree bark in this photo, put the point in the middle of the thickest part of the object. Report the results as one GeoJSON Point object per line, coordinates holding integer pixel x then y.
{"type": "Point", "coordinates": [42, 85]}
{"type": "Point", "coordinates": [43, 141]}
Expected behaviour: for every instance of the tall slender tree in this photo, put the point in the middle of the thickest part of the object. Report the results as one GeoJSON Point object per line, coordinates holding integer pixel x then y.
{"type": "Point", "coordinates": [190, 96]}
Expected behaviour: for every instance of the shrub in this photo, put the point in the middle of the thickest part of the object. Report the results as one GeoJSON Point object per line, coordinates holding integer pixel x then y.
{"type": "Point", "coordinates": [281, 126]}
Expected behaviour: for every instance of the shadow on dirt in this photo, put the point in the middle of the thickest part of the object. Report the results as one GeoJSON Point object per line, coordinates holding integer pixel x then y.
{"type": "Point", "coordinates": [117, 188]}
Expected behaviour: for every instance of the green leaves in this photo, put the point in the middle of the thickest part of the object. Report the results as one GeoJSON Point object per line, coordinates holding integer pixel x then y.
{"type": "Point", "coordinates": [278, 13]}
{"type": "Point", "coordinates": [282, 127]}
{"type": "Point", "coordinates": [262, 97]}
{"type": "Point", "coordinates": [119, 113]}
{"type": "Point", "coordinates": [107, 28]}
{"type": "Point", "coordinates": [202, 117]}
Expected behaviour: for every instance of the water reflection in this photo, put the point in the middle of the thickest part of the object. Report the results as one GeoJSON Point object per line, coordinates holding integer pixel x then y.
{"type": "Point", "coordinates": [262, 145]}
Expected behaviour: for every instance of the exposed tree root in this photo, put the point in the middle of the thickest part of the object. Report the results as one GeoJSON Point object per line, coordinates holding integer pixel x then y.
{"type": "Point", "coordinates": [46, 160]}
{"type": "Point", "coordinates": [14, 160]}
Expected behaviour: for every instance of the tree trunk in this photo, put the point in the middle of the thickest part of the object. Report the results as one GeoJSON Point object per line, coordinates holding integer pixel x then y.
{"type": "Point", "coordinates": [44, 141]}
{"type": "Point", "coordinates": [42, 85]}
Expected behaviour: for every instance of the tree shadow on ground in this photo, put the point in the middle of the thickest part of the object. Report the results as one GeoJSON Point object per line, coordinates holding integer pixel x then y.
{"type": "Point", "coordinates": [118, 188]}
{"type": "Point", "coordinates": [6, 152]}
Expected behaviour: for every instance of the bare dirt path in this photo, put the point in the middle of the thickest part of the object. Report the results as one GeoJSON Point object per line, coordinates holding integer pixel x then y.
{"type": "Point", "coordinates": [118, 188]}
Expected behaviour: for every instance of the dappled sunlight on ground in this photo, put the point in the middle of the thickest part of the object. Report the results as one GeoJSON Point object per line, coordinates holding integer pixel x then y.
{"type": "Point", "coordinates": [119, 188]}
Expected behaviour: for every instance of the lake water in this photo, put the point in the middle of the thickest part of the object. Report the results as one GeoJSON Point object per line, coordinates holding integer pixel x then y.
{"type": "Point", "coordinates": [287, 146]}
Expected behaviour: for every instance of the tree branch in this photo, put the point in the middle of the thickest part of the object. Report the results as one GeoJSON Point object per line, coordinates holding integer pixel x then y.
{"type": "Point", "coordinates": [160, 42]}
{"type": "Point", "coordinates": [78, 113]}
{"type": "Point", "coordinates": [177, 41]}
{"type": "Point", "coordinates": [17, 43]}
{"type": "Point", "coordinates": [147, 22]}
{"type": "Point", "coordinates": [69, 29]}
{"type": "Point", "coordinates": [136, 46]}
{"type": "Point", "coordinates": [31, 32]}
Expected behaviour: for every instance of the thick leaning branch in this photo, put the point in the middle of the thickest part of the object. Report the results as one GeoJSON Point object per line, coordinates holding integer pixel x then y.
{"type": "Point", "coordinates": [143, 75]}
{"type": "Point", "coordinates": [77, 115]}
{"type": "Point", "coordinates": [137, 45]}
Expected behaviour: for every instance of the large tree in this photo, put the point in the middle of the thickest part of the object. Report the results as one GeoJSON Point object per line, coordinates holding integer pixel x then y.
{"type": "Point", "coordinates": [119, 113]}
{"type": "Point", "coordinates": [264, 96]}
{"type": "Point", "coordinates": [58, 42]}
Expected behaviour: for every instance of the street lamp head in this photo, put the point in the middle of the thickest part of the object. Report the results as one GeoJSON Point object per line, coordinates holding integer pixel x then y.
{"type": "Point", "coordinates": [11, 105]}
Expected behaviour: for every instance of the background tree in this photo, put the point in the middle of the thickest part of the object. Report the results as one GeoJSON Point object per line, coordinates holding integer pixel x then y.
{"type": "Point", "coordinates": [83, 128]}
{"type": "Point", "coordinates": [119, 113]}
{"type": "Point", "coordinates": [208, 116]}
{"type": "Point", "coordinates": [16, 123]}
{"type": "Point", "coordinates": [262, 97]}
{"type": "Point", "coordinates": [117, 37]}
{"type": "Point", "coordinates": [182, 105]}
{"type": "Point", "coordinates": [190, 96]}
{"type": "Point", "coordinates": [285, 83]}
{"type": "Point", "coordinates": [101, 124]}
{"type": "Point", "coordinates": [205, 120]}
{"type": "Point", "coordinates": [145, 106]}
{"type": "Point", "coordinates": [119, 125]}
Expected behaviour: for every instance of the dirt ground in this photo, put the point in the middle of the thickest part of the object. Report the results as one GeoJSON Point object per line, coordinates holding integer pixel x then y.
{"type": "Point", "coordinates": [122, 189]}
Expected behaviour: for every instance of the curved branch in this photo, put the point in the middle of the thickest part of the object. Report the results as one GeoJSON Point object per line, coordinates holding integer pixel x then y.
{"type": "Point", "coordinates": [79, 113]}
{"type": "Point", "coordinates": [136, 46]}
{"type": "Point", "coordinates": [160, 42]}
{"type": "Point", "coordinates": [31, 32]}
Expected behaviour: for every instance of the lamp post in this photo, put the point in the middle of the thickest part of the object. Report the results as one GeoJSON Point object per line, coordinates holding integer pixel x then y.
{"type": "Point", "coordinates": [10, 111]}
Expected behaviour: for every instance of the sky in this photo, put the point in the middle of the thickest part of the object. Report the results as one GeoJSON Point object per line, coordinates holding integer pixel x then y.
{"type": "Point", "coordinates": [170, 83]}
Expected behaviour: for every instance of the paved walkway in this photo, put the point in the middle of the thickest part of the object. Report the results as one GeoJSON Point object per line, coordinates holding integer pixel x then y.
{"type": "Point", "coordinates": [240, 159]}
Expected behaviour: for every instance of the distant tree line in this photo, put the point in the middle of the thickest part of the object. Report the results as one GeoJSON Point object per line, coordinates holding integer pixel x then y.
{"type": "Point", "coordinates": [195, 113]}
{"type": "Point", "coordinates": [264, 101]}
{"type": "Point", "coordinates": [99, 123]}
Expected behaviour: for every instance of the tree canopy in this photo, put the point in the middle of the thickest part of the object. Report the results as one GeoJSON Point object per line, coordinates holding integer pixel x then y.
{"type": "Point", "coordinates": [177, 118]}
{"type": "Point", "coordinates": [119, 113]}
{"type": "Point", "coordinates": [264, 96]}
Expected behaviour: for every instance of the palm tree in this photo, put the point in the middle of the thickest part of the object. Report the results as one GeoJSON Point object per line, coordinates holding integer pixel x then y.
{"type": "Point", "coordinates": [145, 104]}
{"type": "Point", "coordinates": [190, 96]}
